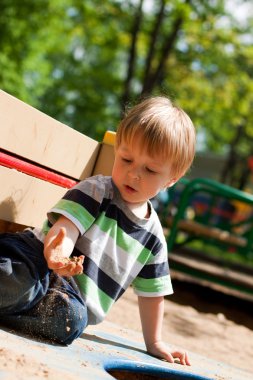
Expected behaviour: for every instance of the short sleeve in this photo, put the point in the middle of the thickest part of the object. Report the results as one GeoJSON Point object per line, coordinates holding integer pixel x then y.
{"type": "Point", "coordinates": [81, 204]}
{"type": "Point", "coordinates": [154, 279]}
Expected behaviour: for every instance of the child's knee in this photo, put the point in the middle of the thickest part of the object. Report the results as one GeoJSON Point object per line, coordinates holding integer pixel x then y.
{"type": "Point", "coordinates": [73, 323]}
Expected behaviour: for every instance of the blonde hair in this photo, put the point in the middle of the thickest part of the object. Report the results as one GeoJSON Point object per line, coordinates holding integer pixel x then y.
{"type": "Point", "coordinates": [165, 130]}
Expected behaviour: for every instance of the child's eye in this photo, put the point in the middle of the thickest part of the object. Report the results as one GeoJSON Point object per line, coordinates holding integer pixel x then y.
{"type": "Point", "coordinates": [150, 171]}
{"type": "Point", "coordinates": [126, 160]}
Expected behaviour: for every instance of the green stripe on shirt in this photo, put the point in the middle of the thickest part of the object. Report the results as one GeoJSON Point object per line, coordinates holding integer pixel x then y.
{"type": "Point", "coordinates": [76, 210]}
{"type": "Point", "coordinates": [88, 286]}
{"type": "Point", "coordinates": [149, 285]}
{"type": "Point", "coordinates": [124, 241]}
{"type": "Point", "coordinates": [45, 227]}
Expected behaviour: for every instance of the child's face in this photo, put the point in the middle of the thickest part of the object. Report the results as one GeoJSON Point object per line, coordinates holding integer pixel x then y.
{"type": "Point", "coordinates": [137, 175]}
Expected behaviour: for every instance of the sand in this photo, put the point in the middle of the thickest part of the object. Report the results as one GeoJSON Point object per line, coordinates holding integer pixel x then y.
{"type": "Point", "coordinates": [207, 323]}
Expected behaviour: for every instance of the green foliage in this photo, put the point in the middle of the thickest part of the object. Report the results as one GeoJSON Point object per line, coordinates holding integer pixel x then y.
{"type": "Point", "coordinates": [69, 58]}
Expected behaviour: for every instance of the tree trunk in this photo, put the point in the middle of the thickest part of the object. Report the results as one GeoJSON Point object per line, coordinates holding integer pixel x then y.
{"type": "Point", "coordinates": [154, 36]}
{"type": "Point", "coordinates": [132, 56]}
{"type": "Point", "coordinates": [155, 77]}
{"type": "Point", "coordinates": [229, 168]}
{"type": "Point", "coordinates": [245, 172]}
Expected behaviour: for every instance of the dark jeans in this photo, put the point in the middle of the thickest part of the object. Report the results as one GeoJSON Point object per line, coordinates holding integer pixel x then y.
{"type": "Point", "coordinates": [33, 299]}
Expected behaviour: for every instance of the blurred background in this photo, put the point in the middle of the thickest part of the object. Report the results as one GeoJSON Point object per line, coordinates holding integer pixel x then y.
{"type": "Point", "coordinates": [83, 62]}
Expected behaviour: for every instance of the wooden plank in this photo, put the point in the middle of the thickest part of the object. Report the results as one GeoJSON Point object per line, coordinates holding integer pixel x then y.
{"type": "Point", "coordinates": [105, 160]}
{"type": "Point", "coordinates": [35, 136]}
{"type": "Point", "coordinates": [193, 279]}
{"type": "Point", "coordinates": [24, 199]}
{"type": "Point", "coordinates": [235, 282]}
{"type": "Point", "coordinates": [209, 231]}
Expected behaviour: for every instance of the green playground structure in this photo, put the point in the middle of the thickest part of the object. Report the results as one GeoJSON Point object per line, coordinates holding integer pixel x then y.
{"type": "Point", "coordinates": [203, 216]}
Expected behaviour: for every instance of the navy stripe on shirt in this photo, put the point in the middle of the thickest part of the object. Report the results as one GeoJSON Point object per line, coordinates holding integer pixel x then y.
{"type": "Point", "coordinates": [86, 201]}
{"type": "Point", "coordinates": [147, 239]}
{"type": "Point", "coordinates": [103, 281]}
{"type": "Point", "coordinates": [154, 270]}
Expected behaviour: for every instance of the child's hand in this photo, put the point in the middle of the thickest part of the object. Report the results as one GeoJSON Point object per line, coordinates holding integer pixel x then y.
{"type": "Point", "coordinates": [160, 350]}
{"type": "Point", "coordinates": [57, 259]}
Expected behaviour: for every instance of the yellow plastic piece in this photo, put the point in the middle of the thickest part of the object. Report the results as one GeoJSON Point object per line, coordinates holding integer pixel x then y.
{"type": "Point", "coordinates": [109, 138]}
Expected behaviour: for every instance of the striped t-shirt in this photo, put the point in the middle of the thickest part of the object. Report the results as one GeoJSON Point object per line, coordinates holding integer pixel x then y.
{"type": "Point", "coordinates": [120, 249]}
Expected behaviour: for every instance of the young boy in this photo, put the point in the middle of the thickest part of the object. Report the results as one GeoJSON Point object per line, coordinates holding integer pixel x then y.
{"type": "Point", "coordinates": [102, 236]}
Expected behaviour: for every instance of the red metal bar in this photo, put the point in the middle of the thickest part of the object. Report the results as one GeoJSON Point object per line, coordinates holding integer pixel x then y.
{"type": "Point", "coordinates": [35, 171]}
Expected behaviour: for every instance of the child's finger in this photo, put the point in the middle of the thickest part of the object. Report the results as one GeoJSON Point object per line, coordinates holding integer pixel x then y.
{"type": "Point", "coordinates": [77, 265]}
{"type": "Point", "coordinates": [182, 356]}
{"type": "Point", "coordinates": [59, 237]}
{"type": "Point", "coordinates": [56, 264]}
{"type": "Point", "coordinates": [167, 356]}
{"type": "Point", "coordinates": [69, 267]}
{"type": "Point", "coordinates": [187, 360]}
{"type": "Point", "coordinates": [68, 272]}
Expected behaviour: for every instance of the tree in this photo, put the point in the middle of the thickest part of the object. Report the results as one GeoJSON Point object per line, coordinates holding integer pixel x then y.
{"type": "Point", "coordinates": [82, 62]}
{"type": "Point", "coordinates": [205, 65]}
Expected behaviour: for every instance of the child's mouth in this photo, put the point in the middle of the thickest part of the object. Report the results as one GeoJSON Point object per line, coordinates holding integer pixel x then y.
{"type": "Point", "coordinates": [130, 189]}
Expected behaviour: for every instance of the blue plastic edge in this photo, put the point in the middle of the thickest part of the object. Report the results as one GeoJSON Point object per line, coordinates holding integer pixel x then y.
{"type": "Point", "coordinates": [151, 369]}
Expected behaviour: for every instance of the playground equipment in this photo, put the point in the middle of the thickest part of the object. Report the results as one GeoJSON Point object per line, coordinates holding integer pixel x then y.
{"type": "Point", "coordinates": [40, 159]}
{"type": "Point", "coordinates": [206, 211]}
{"type": "Point", "coordinates": [104, 352]}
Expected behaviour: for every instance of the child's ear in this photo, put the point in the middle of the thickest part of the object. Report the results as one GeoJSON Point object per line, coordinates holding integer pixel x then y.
{"type": "Point", "coordinates": [171, 183]}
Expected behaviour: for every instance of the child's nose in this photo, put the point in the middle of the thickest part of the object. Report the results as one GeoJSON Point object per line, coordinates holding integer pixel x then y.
{"type": "Point", "coordinates": [135, 173]}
